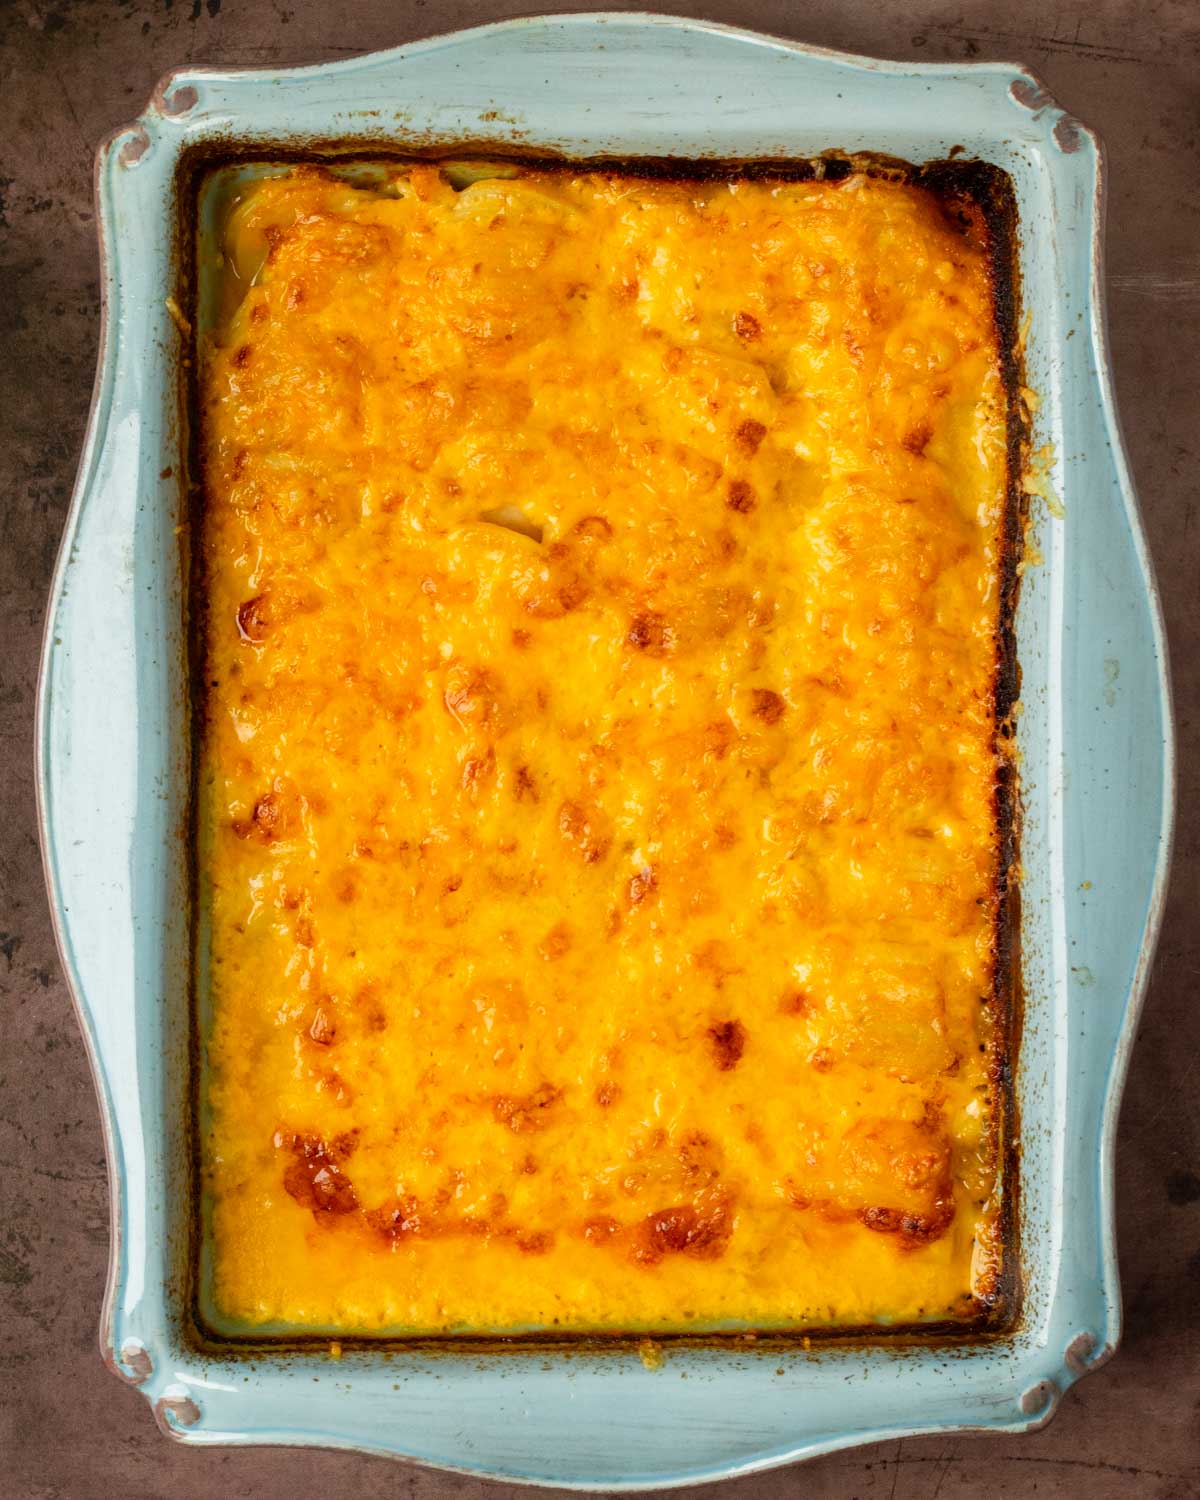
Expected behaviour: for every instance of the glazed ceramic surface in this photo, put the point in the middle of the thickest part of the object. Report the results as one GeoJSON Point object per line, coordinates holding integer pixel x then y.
{"type": "Point", "coordinates": [1095, 741]}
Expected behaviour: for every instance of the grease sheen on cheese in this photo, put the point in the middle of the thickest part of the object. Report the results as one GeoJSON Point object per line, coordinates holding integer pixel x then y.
{"type": "Point", "coordinates": [598, 825]}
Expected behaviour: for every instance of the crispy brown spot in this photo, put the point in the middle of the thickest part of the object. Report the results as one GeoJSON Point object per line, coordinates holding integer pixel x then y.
{"type": "Point", "coordinates": [576, 826]}
{"type": "Point", "coordinates": [740, 497]}
{"type": "Point", "coordinates": [322, 1029]}
{"type": "Point", "coordinates": [572, 594]}
{"type": "Point", "coordinates": [476, 770]}
{"type": "Point", "coordinates": [914, 1229]}
{"type": "Point", "coordinates": [274, 817]}
{"type": "Point", "coordinates": [821, 1060]}
{"type": "Point", "coordinates": [761, 609]}
{"type": "Point", "coordinates": [556, 943]}
{"type": "Point", "coordinates": [523, 785]}
{"type": "Point", "coordinates": [600, 1228]}
{"type": "Point", "coordinates": [241, 357]}
{"type": "Point", "coordinates": [747, 326]}
{"type": "Point", "coordinates": [728, 1039]}
{"type": "Point", "coordinates": [313, 1177]}
{"type": "Point", "coordinates": [557, 594]}
{"type": "Point", "coordinates": [252, 620]}
{"type": "Point", "coordinates": [718, 738]}
{"type": "Point", "coordinates": [521, 639]}
{"type": "Point", "coordinates": [535, 1243]}
{"type": "Point", "coordinates": [608, 1093]}
{"type": "Point", "coordinates": [333, 1083]}
{"type": "Point", "coordinates": [525, 1112]}
{"type": "Point", "coordinates": [369, 1006]}
{"type": "Point", "coordinates": [399, 1220]}
{"type": "Point", "coordinates": [593, 528]}
{"type": "Point", "coordinates": [684, 1229]}
{"type": "Point", "coordinates": [767, 705]}
{"type": "Point", "coordinates": [699, 1157]}
{"type": "Point", "coordinates": [649, 632]}
{"type": "Point", "coordinates": [472, 695]}
{"type": "Point", "coordinates": [916, 439]}
{"type": "Point", "coordinates": [749, 435]}
{"type": "Point", "coordinates": [642, 885]}
{"type": "Point", "coordinates": [795, 1003]}
{"type": "Point", "coordinates": [529, 1167]}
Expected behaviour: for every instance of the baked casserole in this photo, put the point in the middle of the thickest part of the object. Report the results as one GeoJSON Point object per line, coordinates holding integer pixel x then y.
{"type": "Point", "coordinates": [603, 822]}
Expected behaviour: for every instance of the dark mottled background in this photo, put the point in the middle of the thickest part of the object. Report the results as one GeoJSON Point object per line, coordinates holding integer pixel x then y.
{"type": "Point", "coordinates": [70, 70]}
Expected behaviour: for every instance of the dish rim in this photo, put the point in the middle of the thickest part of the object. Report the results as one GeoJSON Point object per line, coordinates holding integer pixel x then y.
{"type": "Point", "coordinates": [165, 104]}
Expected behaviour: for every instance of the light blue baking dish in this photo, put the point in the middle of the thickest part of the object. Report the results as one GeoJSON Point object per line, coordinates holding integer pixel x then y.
{"type": "Point", "coordinates": [1095, 741]}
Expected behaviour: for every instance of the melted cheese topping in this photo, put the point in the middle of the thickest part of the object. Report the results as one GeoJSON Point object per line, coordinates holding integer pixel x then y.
{"type": "Point", "coordinates": [598, 805]}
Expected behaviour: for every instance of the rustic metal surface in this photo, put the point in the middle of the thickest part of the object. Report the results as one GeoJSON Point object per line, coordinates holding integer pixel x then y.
{"type": "Point", "coordinates": [72, 69]}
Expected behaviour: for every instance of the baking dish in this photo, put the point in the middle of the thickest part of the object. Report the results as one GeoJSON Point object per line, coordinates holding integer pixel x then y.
{"type": "Point", "coordinates": [1094, 737]}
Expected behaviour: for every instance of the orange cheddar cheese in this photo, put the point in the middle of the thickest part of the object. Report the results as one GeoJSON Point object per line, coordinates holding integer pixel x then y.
{"type": "Point", "coordinates": [598, 825]}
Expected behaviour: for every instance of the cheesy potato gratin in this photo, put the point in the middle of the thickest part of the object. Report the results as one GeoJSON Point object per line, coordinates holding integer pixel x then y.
{"type": "Point", "coordinates": [600, 835]}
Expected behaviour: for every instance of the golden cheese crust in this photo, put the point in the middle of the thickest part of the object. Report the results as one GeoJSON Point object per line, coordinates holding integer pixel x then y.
{"type": "Point", "coordinates": [598, 811]}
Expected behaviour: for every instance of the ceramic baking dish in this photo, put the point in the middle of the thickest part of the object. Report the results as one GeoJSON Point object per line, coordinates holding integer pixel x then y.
{"type": "Point", "coordinates": [114, 745]}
